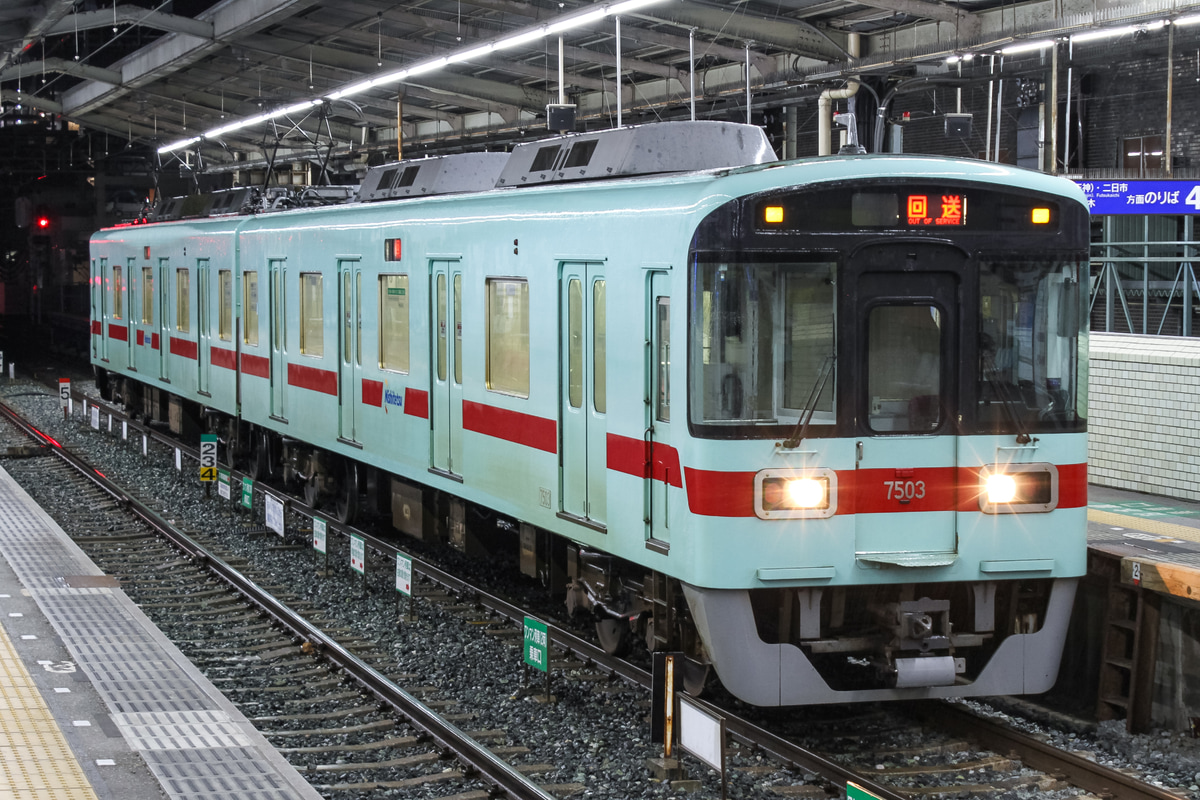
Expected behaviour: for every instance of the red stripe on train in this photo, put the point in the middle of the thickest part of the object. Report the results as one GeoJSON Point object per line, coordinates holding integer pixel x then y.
{"type": "Point", "coordinates": [97, 327]}
{"type": "Point", "coordinates": [372, 393]}
{"type": "Point", "coordinates": [731, 494]}
{"type": "Point", "coordinates": [416, 403]}
{"type": "Point", "coordinates": [183, 348]}
{"type": "Point", "coordinates": [257, 366]}
{"type": "Point", "coordinates": [154, 340]}
{"type": "Point", "coordinates": [628, 455]}
{"type": "Point", "coordinates": [312, 378]}
{"type": "Point", "coordinates": [511, 426]}
{"type": "Point", "coordinates": [118, 332]}
{"type": "Point", "coordinates": [222, 357]}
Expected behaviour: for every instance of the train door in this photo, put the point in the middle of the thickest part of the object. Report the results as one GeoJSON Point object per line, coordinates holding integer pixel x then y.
{"type": "Point", "coordinates": [662, 460]}
{"type": "Point", "coordinates": [203, 329]}
{"type": "Point", "coordinates": [164, 321]}
{"type": "Point", "coordinates": [102, 294]}
{"type": "Point", "coordinates": [277, 320]}
{"type": "Point", "coordinates": [445, 407]}
{"type": "Point", "coordinates": [907, 324]}
{"type": "Point", "coordinates": [583, 467]}
{"type": "Point", "coordinates": [350, 345]}
{"type": "Point", "coordinates": [97, 306]}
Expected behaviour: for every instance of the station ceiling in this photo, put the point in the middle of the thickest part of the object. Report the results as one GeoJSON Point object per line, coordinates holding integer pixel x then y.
{"type": "Point", "coordinates": [159, 72]}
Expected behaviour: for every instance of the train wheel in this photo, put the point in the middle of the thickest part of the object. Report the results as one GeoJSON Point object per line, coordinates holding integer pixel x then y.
{"type": "Point", "coordinates": [260, 457]}
{"type": "Point", "coordinates": [615, 635]}
{"type": "Point", "coordinates": [695, 676]}
{"type": "Point", "coordinates": [346, 507]}
{"type": "Point", "coordinates": [312, 492]}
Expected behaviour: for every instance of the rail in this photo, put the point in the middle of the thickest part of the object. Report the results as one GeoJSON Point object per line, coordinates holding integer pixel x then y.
{"type": "Point", "coordinates": [476, 757]}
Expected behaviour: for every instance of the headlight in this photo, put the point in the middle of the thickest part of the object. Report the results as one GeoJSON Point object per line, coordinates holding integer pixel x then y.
{"type": "Point", "coordinates": [1018, 488]}
{"type": "Point", "coordinates": [791, 494]}
{"type": "Point", "coordinates": [1000, 488]}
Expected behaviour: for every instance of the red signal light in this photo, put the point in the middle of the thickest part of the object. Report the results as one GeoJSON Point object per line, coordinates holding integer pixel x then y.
{"type": "Point", "coordinates": [43, 223]}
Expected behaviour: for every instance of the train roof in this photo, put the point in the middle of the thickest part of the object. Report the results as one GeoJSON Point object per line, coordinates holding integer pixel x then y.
{"type": "Point", "coordinates": [645, 156]}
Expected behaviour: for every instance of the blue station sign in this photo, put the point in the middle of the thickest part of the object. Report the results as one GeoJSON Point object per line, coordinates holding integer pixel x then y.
{"type": "Point", "coordinates": [1141, 197]}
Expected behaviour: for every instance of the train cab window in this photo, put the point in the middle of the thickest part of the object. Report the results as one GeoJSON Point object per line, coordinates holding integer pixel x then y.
{"type": "Point", "coordinates": [1032, 345]}
{"type": "Point", "coordinates": [183, 301]}
{"type": "Point", "coordinates": [599, 350]}
{"type": "Point", "coordinates": [393, 322]}
{"type": "Point", "coordinates": [225, 317]}
{"type": "Point", "coordinates": [250, 308]}
{"type": "Point", "coordinates": [507, 345]}
{"type": "Point", "coordinates": [312, 314]}
{"type": "Point", "coordinates": [147, 295]}
{"type": "Point", "coordinates": [761, 348]}
{"type": "Point", "coordinates": [904, 368]}
{"type": "Point", "coordinates": [118, 285]}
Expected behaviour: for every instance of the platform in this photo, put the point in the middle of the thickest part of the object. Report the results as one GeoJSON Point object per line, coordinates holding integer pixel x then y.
{"type": "Point", "coordinates": [94, 701]}
{"type": "Point", "coordinates": [1157, 539]}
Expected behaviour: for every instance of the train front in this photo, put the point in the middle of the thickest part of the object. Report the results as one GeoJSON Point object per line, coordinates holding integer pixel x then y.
{"type": "Point", "coordinates": [887, 412]}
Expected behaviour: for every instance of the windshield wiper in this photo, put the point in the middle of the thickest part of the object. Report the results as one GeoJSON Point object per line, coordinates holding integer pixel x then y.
{"type": "Point", "coordinates": [811, 406]}
{"type": "Point", "coordinates": [1000, 390]}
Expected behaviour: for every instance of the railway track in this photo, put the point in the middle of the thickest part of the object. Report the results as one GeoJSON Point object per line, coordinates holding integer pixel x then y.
{"type": "Point", "coordinates": [1016, 761]}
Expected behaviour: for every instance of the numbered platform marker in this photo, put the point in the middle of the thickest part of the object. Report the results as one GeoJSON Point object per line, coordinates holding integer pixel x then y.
{"type": "Point", "coordinates": [208, 457]}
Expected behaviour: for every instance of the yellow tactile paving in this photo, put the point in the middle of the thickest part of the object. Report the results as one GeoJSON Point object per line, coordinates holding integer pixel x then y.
{"type": "Point", "coordinates": [35, 761]}
{"type": "Point", "coordinates": [1148, 525]}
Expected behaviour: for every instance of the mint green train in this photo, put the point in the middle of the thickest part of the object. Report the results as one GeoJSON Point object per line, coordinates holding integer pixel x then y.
{"type": "Point", "coordinates": [819, 425]}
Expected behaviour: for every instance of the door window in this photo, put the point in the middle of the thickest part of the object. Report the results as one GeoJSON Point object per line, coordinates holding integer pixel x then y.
{"type": "Point", "coordinates": [904, 368]}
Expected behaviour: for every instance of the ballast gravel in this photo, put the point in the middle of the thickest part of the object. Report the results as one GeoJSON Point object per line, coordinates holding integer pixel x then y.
{"type": "Point", "coordinates": [595, 735]}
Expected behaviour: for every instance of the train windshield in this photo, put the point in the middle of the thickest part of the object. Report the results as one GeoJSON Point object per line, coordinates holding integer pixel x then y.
{"type": "Point", "coordinates": [762, 345]}
{"type": "Point", "coordinates": [1032, 350]}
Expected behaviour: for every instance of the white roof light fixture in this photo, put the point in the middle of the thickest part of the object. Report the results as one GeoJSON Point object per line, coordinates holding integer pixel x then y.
{"type": "Point", "coordinates": [1026, 47]}
{"type": "Point", "coordinates": [535, 33]}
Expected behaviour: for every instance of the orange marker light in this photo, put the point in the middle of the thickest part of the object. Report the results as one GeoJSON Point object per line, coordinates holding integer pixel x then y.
{"type": "Point", "coordinates": [773, 214]}
{"type": "Point", "coordinates": [1040, 216]}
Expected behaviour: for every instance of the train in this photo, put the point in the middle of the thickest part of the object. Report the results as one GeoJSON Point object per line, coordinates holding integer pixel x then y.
{"type": "Point", "coordinates": [862, 478]}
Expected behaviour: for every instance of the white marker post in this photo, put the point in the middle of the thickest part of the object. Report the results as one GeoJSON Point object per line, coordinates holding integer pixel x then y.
{"type": "Point", "coordinates": [64, 395]}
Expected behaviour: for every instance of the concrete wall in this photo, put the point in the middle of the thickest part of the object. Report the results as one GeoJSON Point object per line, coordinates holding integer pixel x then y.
{"type": "Point", "coordinates": [1144, 414]}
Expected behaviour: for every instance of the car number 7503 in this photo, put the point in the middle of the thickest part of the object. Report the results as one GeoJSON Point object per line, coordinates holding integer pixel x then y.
{"type": "Point", "coordinates": [905, 490]}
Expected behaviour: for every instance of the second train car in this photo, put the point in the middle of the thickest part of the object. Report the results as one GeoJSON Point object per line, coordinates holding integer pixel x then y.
{"type": "Point", "coordinates": [819, 424]}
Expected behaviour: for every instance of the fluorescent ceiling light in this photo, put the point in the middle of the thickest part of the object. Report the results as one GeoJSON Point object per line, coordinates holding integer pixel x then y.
{"type": "Point", "coordinates": [1108, 33]}
{"type": "Point", "coordinates": [564, 23]}
{"type": "Point", "coordinates": [180, 144]}
{"type": "Point", "coordinates": [1191, 19]}
{"type": "Point", "coordinates": [1026, 47]}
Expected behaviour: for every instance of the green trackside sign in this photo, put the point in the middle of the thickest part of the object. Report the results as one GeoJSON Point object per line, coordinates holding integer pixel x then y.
{"type": "Point", "coordinates": [536, 644]}
{"type": "Point", "coordinates": [856, 792]}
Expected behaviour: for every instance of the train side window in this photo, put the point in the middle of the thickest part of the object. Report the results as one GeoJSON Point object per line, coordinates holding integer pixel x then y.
{"type": "Point", "coordinates": [147, 295]}
{"type": "Point", "coordinates": [250, 308]}
{"type": "Point", "coordinates": [225, 318]}
{"type": "Point", "coordinates": [312, 314]}
{"type": "Point", "coordinates": [599, 345]}
{"type": "Point", "coordinates": [575, 343]}
{"type": "Point", "coordinates": [507, 366]}
{"type": "Point", "coordinates": [183, 301]}
{"type": "Point", "coordinates": [904, 368]}
{"type": "Point", "coordinates": [441, 326]}
{"type": "Point", "coordinates": [393, 322]}
{"type": "Point", "coordinates": [458, 328]}
{"type": "Point", "coordinates": [662, 324]}
{"type": "Point", "coordinates": [118, 292]}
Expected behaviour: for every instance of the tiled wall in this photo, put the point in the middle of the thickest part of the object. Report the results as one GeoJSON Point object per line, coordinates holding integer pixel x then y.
{"type": "Point", "coordinates": [1144, 414]}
